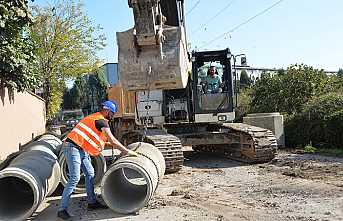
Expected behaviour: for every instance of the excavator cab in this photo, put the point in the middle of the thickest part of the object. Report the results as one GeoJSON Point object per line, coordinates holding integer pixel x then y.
{"type": "Point", "coordinates": [212, 84]}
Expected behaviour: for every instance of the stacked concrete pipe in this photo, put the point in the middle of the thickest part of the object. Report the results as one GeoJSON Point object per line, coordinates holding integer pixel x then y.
{"type": "Point", "coordinates": [130, 182]}
{"type": "Point", "coordinates": [30, 177]}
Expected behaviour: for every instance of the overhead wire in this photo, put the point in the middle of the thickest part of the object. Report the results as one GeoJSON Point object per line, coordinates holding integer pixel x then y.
{"type": "Point", "coordinates": [194, 6]}
{"type": "Point", "coordinates": [213, 17]}
{"type": "Point", "coordinates": [241, 24]}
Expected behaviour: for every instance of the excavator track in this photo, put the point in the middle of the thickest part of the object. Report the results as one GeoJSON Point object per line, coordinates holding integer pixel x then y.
{"type": "Point", "coordinates": [248, 144]}
{"type": "Point", "coordinates": [169, 145]}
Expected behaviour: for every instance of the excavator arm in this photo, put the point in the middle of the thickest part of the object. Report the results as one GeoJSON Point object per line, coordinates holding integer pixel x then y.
{"type": "Point", "coordinates": [148, 22]}
{"type": "Point", "coordinates": [153, 54]}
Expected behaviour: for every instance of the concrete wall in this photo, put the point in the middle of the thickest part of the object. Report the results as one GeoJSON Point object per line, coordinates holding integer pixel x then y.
{"type": "Point", "coordinates": [22, 116]}
{"type": "Point", "coordinates": [271, 121]}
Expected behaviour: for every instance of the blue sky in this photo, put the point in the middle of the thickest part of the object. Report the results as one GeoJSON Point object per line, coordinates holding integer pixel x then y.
{"type": "Point", "coordinates": [294, 31]}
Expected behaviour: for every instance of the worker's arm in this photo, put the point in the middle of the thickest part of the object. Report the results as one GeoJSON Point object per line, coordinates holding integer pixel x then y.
{"type": "Point", "coordinates": [115, 143]}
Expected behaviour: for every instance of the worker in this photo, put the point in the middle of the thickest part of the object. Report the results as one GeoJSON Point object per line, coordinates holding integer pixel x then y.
{"type": "Point", "coordinates": [88, 137]}
{"type": "Point", "coordinates": [212, 81]}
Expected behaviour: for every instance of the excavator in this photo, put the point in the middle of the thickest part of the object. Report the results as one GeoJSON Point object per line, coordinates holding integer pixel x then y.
{"type": "Point", "coordinates": [173, 105]}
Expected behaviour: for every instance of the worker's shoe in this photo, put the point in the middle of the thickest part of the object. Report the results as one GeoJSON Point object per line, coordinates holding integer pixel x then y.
{"type": "Point", "coordinates": [96, 205]}
{"type": "Point", "coordinates": [63, 214]}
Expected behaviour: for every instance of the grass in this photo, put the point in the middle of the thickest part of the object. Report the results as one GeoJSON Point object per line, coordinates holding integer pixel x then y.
{"type": "Point", "coordinates": [335, 152]}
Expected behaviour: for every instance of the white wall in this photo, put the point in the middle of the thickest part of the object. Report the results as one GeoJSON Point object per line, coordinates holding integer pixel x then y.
{"type": "Point", "coordinates": [22, 116]}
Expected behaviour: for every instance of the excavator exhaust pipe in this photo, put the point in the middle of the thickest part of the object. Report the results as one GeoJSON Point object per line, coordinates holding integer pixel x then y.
{"type": "Point", "coordinates": [131, 181]}
{"type": "Point", "coordinates": [30, 177]}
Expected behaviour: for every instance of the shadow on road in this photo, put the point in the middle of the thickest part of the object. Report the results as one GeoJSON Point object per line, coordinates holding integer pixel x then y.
{"type": "Point", "coordinates": [209, 161]}
{"type": "Point", "coordinates": [78, 209]}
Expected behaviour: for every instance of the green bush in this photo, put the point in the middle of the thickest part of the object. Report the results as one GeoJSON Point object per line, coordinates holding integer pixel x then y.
{"type": "Point", "coordinates": [319, 123]}
{"type": "Point", "coordinates": [244, 104]}
{"type": "Point", "coordinates": [310, 149]}
{"type": "Point", "coordinates": [288, 91]}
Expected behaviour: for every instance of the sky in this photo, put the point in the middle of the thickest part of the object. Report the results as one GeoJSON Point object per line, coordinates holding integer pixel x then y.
{"type": "Point", "coordinates": [293, 31]}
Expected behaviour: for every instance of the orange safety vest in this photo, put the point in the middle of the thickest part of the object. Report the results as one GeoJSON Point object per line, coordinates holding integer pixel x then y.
{"type": "Point", "coordinates": [85, 135]}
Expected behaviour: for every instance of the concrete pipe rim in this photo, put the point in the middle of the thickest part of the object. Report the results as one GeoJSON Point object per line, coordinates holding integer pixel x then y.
{"type": "Point", "coordinates": [128, 165]}
{"type": "Point", "coordinates": [32, 183]}
{"type": "Point", "coordinates": [53, 141]}
{"type": "Point", "coordinates": [56, 173]}
{"type": "Point", "coordinates": [154, 154]}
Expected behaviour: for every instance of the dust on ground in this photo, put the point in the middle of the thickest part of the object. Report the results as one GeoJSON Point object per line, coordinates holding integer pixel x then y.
{"type": "Point", "coordinates": [291, 187]}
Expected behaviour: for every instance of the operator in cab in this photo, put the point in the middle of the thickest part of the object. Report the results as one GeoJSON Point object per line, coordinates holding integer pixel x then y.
{"type": "Point", "coordinates": [88, 138]}
{"type": "Point", "coordinates": [212, 82]}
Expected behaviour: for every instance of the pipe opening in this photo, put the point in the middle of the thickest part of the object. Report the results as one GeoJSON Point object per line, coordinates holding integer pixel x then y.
{"type": "Point", "coordinates": [16, 198]}
{"type": "Point", "coordinates": [126, 190]}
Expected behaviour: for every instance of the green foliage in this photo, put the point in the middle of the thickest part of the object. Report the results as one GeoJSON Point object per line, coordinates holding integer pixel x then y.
{"type": "Point", "coordinates": [340, 73]}
{"type": "Point", "coordinates": [16, 48]}
{"type": "Point", "coordinates": [334, 84]}
{"type": "Point", "coordinates": [289, 91]}
{"type": "Point", "coordinates": [310, 149]}
{"type": "Point", "coordinates": [320, 122]}
{"type": "Point", "coordinates": [88, 92]}
{"type": "Point", "coordinates": [66, 44]}
{"type": "Point", "coordinates": [336, 152]}
{"type": "Point", "coordinates": [244, 104]}
{"type": "Point", "coordinates": [67, 99]}
{"type": "Point", "coordinates": [244, 80]}
{"type": "Point", "coordinates": [72, 98]}
{"type": "Point", "coordinates": [99, 85]}
{"type": "Point", "coordinates": [267, 94]}
{"type": "Point", "coordinates": [310, 101]}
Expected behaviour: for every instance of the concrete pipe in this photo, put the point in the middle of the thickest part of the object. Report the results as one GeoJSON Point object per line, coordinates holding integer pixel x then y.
{"type": "Point", "coordinates": [99, 165]}
{"type": "Point", "coordinates": [131, 181]}
{"type": "Point", "coordinates": [27, 180]}
{"type": "Point", "coordinates": [55, 142]}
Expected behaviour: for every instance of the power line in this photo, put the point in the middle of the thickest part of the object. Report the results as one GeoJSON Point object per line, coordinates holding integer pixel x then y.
{"type": "Point", "coordinates": [243, 23]}
{"type": "Point", "coordinates": [194, 6]}
{"type": "Point", "coordinates": [215, 16]}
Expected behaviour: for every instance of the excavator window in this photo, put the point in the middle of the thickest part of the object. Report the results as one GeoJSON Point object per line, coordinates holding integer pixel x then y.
{"type": "Point", "coordinates": [211, 93]}
{"type": "Point", "coordinates": [210, 82]}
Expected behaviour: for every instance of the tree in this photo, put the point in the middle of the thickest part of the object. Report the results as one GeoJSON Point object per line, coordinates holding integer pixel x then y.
{"type": "Point", "coordinates": [98, 85]}
{"type": "Point", "coordinates": [87, 93]}
{"type": "Point", "coordinates": [72, 98]}
{"type": "Point", "coordinates": [340, 73]}
{"type": "Point", "coordinates": [244, 80]}
{"type": "Point", "coordinates": [16, 47]}
{"type": "Point", "coordinates": [320, 122]}
{"type": "Point", "coordinates": [266, 94]}
{"type": "Point", "coordinates": [289, 91]}
{"type": "Point", "coordinates": [244, 104]}
{"type": "Point", "coordinates": [66, 46]}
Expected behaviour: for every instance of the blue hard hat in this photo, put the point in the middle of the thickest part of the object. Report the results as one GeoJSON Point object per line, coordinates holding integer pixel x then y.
{"type": "Point", "coordinates": [110, 105]}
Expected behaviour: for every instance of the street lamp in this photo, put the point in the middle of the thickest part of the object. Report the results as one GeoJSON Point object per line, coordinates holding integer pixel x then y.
{"type": "Point", "coordinates": [243, 63]}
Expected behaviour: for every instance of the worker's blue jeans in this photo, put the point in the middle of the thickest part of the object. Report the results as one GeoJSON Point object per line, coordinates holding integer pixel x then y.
{"type": "Point", "coordinates": [77, 160]}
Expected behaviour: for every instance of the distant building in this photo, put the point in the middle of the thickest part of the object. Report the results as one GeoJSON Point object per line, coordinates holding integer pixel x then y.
{"type": "Point", "coordinates": [111, 73]}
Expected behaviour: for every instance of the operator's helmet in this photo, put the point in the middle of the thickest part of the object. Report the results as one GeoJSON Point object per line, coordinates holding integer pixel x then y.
{"type": "Point", "coordinates": [110, 105]}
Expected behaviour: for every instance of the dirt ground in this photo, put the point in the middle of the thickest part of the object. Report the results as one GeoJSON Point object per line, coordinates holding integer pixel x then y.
{"type": "Point", "coordinates": [291, 187]}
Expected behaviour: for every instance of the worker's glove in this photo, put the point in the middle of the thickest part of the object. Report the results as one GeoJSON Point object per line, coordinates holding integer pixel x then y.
{"type": "Point", "coordinates": [132, 153]}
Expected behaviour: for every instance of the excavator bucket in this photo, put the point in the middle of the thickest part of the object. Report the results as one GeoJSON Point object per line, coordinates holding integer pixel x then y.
{"type": "Point", "coordinates": [164, 65]}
